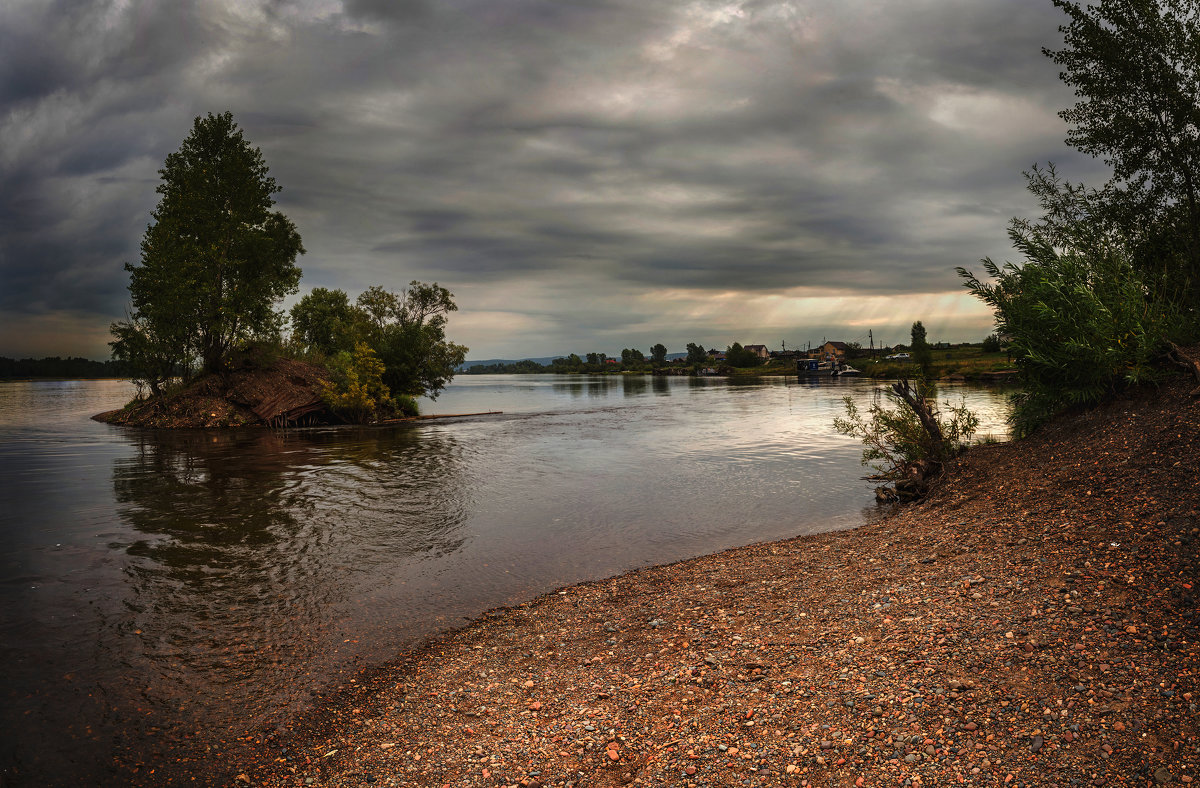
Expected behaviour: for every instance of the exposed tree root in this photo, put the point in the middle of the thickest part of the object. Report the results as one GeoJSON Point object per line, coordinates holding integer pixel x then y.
{"type": "Point", "coordinates": [1189, 359]}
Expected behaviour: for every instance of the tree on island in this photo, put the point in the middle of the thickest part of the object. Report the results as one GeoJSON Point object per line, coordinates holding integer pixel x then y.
{"type": "Point", "coordinates": [408, 329]}
{"type": "Point", "coordinates": [658, 354]}
{"type": "Point", "coordinates": [324, 321]}
{"type": "Point", "coordinates": [696, 354]}
{"type": "Point", "coordinates": [214, 263]}
{"type": "Point", "coordinates": [384, 350]}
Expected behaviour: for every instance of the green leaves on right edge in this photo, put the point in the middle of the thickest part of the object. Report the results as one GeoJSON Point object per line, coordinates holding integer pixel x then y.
{"type": "Point", "coordinates": [1110, 276]}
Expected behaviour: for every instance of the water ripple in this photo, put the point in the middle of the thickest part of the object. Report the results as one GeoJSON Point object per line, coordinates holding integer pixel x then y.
{"type": "Point", "coordinates": [209, 581]}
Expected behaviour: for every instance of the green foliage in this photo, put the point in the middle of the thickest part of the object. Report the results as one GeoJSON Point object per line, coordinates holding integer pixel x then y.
{"type": "Point", "coordinates": [405, 331]}
{"type": "Point", "coordinates": [991, 344]}
{"type": "Point", "coordinates": [522, 367]}
{"type": "Point", "coordinates": [571, 363]}
{"type": "Point", "coordinates": [151, 358]}
{"type": "Point", "coordinates": [408, 329]}
{"type": "Point", "coordinates": [658, 354]}
{"type": "Point", "coordinates": [922, 351]}
{"type": "Point", "coordinates": [215, 261]}
{"type": "Point", "coordinates": [738, 356]}
{"type": "Point", "coordinates": [406, 405]}
{"type": "Point", "coordinates": [896, 440]}
{"type": "Point", "coordinates": [1134, 65]}
{"type": "Point", "coordinates": [355, 390]}
{"type": "Point", "coordinates": [1081, 323]}
{"type": "Point", "coordinates": [696, 354]}
{"type": "Point", "coordinates": [632, 358]}
{"type": "Point", "coordinates": [1109, 276]}
{"type": "Point", "coordinates": [324, 321]}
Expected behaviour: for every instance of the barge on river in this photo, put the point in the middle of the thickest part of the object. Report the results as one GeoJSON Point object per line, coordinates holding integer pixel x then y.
{"type": "Point", "coordinates": [812, 368]}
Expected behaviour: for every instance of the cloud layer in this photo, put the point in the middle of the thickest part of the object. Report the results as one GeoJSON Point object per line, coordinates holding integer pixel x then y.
{"type": "Point", "coordinates": [584, 176]}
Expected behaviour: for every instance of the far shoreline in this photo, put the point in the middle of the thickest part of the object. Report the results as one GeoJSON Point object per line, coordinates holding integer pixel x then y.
{"type": "Point", "coordinates": [122, 417]}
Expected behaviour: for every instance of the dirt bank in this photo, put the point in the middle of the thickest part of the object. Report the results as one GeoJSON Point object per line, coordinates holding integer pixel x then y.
{"type": "Point", "coordinates": [1034, 623]}
{"type": "Point", "coordinates": [282, 392]}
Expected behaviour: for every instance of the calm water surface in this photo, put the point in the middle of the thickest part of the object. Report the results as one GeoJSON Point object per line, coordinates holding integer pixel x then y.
{"type": "Point", "coordinates": [165, 592]}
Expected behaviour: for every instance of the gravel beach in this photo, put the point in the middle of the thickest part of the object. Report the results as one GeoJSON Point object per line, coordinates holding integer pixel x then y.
{"type": "Point", "coordinates": [1033, 623]}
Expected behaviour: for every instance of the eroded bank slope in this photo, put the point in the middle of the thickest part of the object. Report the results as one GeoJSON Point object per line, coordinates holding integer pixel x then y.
{"type": "Point", "coordinates": [1034, 623]}
{"type": "Point", "coordinates": [281, 392]}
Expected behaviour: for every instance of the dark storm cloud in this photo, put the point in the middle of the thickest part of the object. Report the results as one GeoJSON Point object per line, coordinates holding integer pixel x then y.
{"type": "Point", "coordinates": [535, 149]}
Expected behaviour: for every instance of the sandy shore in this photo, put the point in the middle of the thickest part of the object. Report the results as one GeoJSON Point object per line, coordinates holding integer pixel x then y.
{"type": "Point", "coordinates": [1034, 623]}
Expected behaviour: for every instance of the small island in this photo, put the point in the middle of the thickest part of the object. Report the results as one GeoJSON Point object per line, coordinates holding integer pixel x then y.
{"type": "Point", "coordinates": [204, 341]}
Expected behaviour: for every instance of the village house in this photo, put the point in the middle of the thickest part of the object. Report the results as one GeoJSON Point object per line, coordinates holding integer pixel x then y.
{"type": "Point", "coordinates": [833, 351]}
{"type": "Point", "coordinates": [759, 350]}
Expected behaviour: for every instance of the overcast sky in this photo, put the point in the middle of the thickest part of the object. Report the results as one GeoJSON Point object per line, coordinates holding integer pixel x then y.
{"type": "Point", "coordinates": [583, 176]}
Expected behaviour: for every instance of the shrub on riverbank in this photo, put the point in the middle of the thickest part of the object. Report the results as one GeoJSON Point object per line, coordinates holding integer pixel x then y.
{"type": "Point", "coordinates": [1083, 323]}
{"type": "Point", "coordinates": [912, 441]}
{"type": "Point", "coordinates": [1110, 276]}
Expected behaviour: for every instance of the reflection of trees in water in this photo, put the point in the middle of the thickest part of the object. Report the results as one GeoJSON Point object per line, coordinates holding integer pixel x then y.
{"type": "Point", "coordinates": [254, 542]}
{"type": "Point", "coordinates": [634, 385]}
{"type": "Point", "coordinates": [594, 386]}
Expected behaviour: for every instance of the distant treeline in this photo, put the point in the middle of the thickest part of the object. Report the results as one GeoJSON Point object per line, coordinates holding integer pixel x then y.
{"type": "Point", "coordinates": [56, 367]}
{"type": "Point", "coordinates": [517, 368]}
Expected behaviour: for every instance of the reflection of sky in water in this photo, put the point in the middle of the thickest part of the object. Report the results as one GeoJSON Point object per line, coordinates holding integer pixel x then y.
{"type": "Point", "coordinates": [206, 581]}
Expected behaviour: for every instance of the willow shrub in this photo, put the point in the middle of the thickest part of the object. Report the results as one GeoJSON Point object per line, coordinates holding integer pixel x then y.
{"type": "Point", "coordinates": [895, 439]}
{"type": "Point", "coordinates": [1080, 324]}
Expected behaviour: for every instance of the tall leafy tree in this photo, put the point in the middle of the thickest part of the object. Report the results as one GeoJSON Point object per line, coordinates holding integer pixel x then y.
{"type": "Point", "coordinates": [738, 356]}
{"type": "Point", "coordinates": [1109, 275]}
{"type": "Point", "coordinates": [632, 357]}
{"type": "Point", "coordinates": [922, 351]}
{"type": "Point", "coordinates": [408, 331]}
{"type": "Point", "coordinates": [658, 354]}
{"type": "Point", "coordinates": [1135, 66]}
{"type": "Point", "coordinates": [215, 261]}
{"type": "Point", "coordinates": [326, 321]}
{"type": "Point", "coordinates": [696, 354]}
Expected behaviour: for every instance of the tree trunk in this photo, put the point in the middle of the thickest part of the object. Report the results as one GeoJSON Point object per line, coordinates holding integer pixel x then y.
{"type": "Point", "coordinates": [913, 397]}
{"type": "Point", "coordinates": [1188, 361]}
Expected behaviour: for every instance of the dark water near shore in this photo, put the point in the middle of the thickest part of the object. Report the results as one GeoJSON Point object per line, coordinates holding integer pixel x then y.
{"type": "Point", "coordinates": [166, 592]}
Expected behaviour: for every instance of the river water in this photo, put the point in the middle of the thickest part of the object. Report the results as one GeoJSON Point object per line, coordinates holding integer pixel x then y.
{"type": "Point", "coordinates": [167, 592]}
